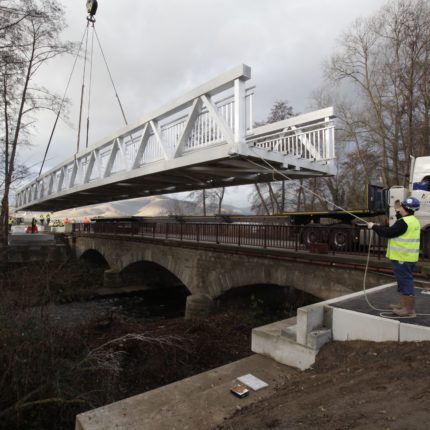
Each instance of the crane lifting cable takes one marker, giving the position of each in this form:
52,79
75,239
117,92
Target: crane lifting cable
82,89
62,103
91,6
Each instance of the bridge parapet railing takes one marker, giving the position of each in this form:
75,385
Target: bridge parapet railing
309,136
352,240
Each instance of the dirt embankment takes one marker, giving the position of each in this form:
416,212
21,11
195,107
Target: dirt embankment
353,385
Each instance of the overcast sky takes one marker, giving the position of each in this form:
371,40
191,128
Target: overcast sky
158,50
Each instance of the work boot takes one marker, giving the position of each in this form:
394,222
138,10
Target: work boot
400,305
408,310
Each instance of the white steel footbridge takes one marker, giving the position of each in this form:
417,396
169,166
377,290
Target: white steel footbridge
204,139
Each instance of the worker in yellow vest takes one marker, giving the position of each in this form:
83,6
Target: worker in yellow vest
404,251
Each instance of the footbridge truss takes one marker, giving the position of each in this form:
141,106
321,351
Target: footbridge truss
204,139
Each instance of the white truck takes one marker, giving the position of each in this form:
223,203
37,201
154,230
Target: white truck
419,187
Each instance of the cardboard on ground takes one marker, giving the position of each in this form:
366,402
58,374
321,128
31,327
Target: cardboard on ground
252,382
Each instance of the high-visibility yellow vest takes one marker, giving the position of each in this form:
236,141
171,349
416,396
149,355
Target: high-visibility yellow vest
407,246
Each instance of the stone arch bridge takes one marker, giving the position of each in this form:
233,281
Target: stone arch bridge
208,271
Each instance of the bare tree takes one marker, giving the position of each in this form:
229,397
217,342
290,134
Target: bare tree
211,199
199,196
271,198
30,30
384,62
265,199
216,198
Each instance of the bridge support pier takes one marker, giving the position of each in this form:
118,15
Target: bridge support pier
112,279
199,306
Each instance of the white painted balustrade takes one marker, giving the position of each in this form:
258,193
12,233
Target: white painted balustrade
204,139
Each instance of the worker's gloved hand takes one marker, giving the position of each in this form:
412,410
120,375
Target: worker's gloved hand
370,225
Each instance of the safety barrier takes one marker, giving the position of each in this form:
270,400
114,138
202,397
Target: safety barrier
300,238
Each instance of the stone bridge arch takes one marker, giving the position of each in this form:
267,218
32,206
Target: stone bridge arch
208,273
93,256
122,254
151,274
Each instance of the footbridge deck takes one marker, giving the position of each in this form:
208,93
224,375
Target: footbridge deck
204,139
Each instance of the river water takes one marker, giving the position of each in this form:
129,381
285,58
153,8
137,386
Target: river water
148,306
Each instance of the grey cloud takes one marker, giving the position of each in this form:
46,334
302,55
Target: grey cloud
158,50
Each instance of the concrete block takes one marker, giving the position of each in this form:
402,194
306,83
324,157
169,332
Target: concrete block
318,338
413,333
278,327
309,318
269,341
290,332
288,328
350,325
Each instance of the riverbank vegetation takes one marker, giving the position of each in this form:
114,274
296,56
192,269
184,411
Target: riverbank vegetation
53,367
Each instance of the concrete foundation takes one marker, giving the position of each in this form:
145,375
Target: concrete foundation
297,342
199,402
40,247
279,343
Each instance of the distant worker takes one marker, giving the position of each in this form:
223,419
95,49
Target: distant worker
403,250
10,223
42,219
66,221
33,225
86,223
48,219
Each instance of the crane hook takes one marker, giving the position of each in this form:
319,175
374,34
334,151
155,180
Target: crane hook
91,9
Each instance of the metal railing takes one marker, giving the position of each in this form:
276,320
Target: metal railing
212,114
187,140
338,240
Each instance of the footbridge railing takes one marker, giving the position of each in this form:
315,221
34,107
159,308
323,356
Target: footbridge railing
203,139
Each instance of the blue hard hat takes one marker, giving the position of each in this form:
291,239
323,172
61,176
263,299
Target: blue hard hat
411,203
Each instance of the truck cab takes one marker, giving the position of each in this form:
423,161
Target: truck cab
419,187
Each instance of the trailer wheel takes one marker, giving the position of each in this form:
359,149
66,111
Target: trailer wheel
311,235
340,239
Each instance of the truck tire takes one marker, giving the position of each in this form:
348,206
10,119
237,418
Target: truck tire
311,235
340,239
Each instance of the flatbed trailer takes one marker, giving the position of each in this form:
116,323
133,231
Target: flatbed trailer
337,229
